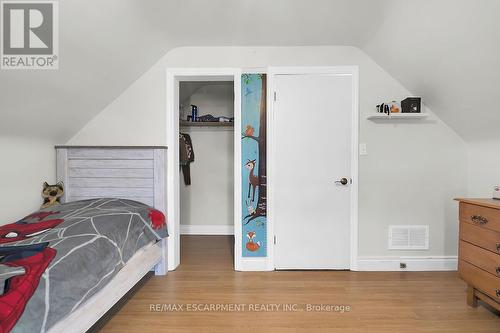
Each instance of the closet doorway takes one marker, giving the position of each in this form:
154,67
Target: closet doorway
203,109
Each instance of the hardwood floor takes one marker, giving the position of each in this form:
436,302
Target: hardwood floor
379,302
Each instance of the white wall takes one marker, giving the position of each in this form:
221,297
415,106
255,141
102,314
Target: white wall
447,55
209,200
25,165
410,175
484,168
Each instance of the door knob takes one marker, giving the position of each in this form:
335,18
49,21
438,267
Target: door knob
342,181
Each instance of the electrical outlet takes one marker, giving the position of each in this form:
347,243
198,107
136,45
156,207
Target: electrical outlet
402,265
362,149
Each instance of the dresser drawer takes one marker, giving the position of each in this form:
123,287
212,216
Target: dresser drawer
481,280
479,236
484,217
479,257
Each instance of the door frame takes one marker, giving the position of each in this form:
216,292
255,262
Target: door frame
271,131
173,77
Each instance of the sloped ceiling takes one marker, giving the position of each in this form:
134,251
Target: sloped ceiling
447,51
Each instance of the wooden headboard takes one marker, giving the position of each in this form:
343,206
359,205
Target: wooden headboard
135,173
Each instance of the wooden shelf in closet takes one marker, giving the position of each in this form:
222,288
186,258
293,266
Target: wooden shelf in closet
184,123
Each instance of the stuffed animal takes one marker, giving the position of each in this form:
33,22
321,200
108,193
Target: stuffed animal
52,194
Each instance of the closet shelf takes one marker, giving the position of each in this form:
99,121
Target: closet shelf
397,116
185,123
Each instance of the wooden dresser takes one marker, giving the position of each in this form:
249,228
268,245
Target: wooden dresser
479,250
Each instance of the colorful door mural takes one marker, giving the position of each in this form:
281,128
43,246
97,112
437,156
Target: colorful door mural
253,165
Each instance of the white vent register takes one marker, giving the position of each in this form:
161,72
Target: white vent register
408,237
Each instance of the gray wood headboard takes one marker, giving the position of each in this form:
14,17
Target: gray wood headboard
136,173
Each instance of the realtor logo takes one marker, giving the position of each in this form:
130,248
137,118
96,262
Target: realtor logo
29,36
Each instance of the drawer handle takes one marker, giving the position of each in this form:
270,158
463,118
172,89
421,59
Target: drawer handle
498,292
498,247
479,219
498,270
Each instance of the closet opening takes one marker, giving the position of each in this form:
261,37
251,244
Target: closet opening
206,168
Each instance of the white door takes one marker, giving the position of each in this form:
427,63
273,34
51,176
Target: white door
312,153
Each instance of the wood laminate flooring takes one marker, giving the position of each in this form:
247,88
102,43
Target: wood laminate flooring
378,301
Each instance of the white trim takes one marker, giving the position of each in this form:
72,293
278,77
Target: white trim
355,169
270,149
173,76
207,229
238,232
350,70
254,70
172,170
257,264
413,264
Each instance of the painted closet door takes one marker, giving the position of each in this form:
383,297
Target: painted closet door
312,117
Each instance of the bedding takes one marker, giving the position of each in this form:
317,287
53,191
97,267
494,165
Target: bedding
55,259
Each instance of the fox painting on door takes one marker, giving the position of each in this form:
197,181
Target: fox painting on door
253,165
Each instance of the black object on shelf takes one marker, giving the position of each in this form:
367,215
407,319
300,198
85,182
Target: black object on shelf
411,105
383,108
194,113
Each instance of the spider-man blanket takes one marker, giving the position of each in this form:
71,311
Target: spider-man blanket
55,259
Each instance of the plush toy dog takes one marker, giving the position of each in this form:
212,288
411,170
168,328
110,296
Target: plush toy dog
52,194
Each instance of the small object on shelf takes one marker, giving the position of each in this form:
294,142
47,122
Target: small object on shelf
391,107
383,108
194,113
207,118
496,192
411,105
223,119
394,107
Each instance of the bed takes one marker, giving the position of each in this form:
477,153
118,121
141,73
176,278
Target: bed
112,210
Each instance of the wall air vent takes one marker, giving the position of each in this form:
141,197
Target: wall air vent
408,237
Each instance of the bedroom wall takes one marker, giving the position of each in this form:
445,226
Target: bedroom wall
410,175
208,201
484,168
26,164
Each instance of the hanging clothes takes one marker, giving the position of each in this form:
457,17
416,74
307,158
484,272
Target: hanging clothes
186,156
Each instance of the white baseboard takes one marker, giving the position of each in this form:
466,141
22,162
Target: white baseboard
254,265
413,264
207,230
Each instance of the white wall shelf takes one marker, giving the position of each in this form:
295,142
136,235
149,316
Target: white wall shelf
391,116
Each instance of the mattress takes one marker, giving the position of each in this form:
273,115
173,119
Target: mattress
96,306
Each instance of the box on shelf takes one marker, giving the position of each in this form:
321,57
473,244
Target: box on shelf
411,105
